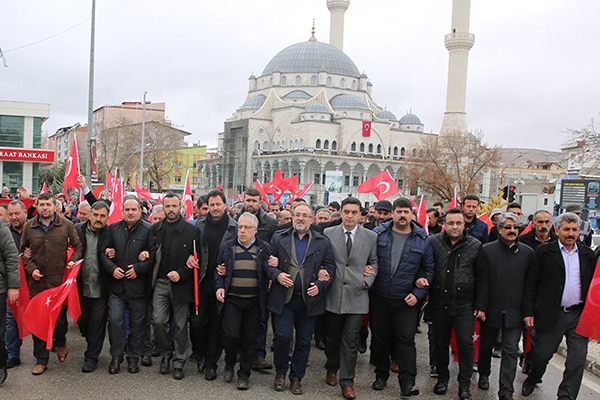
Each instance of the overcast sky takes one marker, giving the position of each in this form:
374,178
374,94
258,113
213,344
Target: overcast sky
534,69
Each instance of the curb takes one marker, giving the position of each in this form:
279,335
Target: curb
591,364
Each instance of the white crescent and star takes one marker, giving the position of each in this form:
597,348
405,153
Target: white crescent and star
387,187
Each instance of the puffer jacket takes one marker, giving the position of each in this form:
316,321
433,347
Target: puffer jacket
9,261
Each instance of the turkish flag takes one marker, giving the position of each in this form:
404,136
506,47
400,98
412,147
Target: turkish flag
589,321
42,312
19,307
72,169
290,184
44,188
527,229
300,193
366,128
476,340
188,198
275,186
142,193
422,215
116,206
261,189
485,217
381,185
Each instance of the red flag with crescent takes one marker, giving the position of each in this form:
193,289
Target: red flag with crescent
44,188
72,169
188,198
381,185
18,308
485,217
366,128
116,206
422,215
300,193
589,321
261,189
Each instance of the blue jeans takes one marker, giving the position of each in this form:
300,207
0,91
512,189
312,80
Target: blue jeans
293,316
116,326
11,336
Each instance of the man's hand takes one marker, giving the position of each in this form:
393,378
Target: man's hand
81,181
174,276
118,273
421,283
221,269
27,252
70,265
313,290
273,261
192,263
220,293
411,300
480,315
323,275
529,322
144,255
285,280
109,252
13,295
36,275
130,273
368,271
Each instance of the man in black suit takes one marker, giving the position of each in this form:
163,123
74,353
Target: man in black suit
555,291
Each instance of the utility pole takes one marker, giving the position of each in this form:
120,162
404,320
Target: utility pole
143,139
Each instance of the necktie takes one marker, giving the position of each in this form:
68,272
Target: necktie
348,242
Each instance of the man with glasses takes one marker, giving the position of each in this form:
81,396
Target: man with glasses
297,297
507,262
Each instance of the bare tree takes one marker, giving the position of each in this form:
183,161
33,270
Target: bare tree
583,147
451,161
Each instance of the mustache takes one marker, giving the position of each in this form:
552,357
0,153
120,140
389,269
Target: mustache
543,229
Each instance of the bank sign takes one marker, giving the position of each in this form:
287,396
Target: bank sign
27,155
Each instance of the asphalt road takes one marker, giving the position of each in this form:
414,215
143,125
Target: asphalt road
66,381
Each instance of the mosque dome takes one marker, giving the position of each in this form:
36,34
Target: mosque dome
297,94
385,114
316,108
410,118
254,102
312,57
348,101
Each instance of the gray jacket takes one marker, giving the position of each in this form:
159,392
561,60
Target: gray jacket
9,261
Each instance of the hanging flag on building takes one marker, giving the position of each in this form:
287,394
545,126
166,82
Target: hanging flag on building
366,128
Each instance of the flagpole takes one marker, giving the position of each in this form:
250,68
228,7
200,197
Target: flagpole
90,122
143,139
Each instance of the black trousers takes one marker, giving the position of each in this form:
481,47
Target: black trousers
206,331
241,320
3,352
510,354
92,325
59,338
394,318
462,321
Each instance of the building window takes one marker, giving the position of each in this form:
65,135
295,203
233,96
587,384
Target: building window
298,80
402,152
318,144
334,145
370,148
178,164
378,149
283,81
355,181
313,80
329,82
354,84
353,146
326,145
362,147
177,178
347,180
317,179
395,150
343,83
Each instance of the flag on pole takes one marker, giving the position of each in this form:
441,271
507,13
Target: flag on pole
300,193
454,201
44,188
18,308
422,215
589,321
42,312
72,169
366,128
485,217
261,189
116,206
381,185
142,193
188,198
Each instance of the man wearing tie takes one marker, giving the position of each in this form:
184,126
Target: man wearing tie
355,253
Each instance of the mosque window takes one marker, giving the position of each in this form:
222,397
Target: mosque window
343,83
354,84
262,83
353,146
329,82
395,150
298,80
362,147
414,152
326,145
402,152
283,80
318,144
370,148
266,146
378,149
355,181
313,80
334,145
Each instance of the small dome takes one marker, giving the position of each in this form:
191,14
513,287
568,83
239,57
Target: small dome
385,114
251,77
316,108
254,102
410,118
348,101
297,94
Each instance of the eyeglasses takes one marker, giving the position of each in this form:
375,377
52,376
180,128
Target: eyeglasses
509,227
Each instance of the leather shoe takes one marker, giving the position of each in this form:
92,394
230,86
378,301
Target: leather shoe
440,388
178,373
464,394
165,365
331,378
89,366
296,386
3,375
210,374
228,373
362,346
146,360
484,382
279,383
133,367
409,390
348,393
321,344
379,384
506,397
115,366
13,362
38,369
242,383
528,388
260,364
62,352
201,365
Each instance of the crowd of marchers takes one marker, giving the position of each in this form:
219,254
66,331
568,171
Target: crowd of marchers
165,287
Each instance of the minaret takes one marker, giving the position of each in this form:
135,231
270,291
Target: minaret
458,42
336,24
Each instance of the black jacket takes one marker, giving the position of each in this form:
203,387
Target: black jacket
102,277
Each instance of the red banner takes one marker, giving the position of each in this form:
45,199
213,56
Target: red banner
30,155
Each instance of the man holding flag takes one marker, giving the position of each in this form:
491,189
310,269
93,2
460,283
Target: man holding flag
10,282
49,236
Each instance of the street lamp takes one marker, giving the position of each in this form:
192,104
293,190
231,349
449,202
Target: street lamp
137,151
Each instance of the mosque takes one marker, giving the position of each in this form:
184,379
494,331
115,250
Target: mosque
305,114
